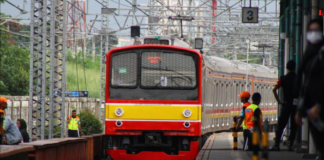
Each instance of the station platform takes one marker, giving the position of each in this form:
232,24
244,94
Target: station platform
219,146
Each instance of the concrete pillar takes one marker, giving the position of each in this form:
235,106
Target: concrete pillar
97,109
20,106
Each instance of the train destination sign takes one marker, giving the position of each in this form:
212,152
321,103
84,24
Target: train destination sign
122,70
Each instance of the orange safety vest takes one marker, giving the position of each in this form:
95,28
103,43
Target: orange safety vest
249,116
244,120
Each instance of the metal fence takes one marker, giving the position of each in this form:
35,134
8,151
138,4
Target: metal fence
18,107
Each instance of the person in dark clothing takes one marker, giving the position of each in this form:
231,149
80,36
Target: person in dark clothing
310,80
21,124
251,113
288,109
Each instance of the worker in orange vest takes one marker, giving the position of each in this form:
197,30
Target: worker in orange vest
74,125
3,105
251,112
245,96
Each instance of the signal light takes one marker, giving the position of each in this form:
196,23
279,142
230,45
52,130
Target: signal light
199,42
135,31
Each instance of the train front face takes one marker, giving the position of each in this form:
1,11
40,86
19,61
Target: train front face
153,102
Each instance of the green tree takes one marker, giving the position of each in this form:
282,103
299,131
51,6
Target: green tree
14,65
89,123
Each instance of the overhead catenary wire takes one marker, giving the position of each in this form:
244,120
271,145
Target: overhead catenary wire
14,33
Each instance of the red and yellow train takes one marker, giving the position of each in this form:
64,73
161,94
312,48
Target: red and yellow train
163,98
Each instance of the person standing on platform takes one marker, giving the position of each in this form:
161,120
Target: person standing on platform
310,80
288,109
74,125
250,113
245,96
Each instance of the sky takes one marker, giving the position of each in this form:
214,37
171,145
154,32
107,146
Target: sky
94,8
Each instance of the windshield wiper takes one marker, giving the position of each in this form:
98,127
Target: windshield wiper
158,69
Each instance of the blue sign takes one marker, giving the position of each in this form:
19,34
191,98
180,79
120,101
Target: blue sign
74,93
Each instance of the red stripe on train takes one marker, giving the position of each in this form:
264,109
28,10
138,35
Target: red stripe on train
146,155
169,128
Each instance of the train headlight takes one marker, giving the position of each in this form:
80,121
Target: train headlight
119,123
119,112
187,113
186,124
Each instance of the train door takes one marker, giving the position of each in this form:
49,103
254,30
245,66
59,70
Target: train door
217,103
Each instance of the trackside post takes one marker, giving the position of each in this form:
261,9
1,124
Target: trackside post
265,140
234,134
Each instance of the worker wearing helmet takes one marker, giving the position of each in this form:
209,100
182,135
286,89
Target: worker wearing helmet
252,112
245,96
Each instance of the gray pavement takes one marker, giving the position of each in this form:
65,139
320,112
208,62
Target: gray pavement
219,147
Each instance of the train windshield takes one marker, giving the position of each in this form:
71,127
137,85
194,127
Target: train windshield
124,70
152,74
168,70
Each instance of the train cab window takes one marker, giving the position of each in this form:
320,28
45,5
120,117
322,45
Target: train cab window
124,70
155,41
165,42
154,75
168,70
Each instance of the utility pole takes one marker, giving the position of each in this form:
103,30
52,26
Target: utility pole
104,38
47,69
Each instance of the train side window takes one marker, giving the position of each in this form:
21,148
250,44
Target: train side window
217,95
214,95
228,95
237,91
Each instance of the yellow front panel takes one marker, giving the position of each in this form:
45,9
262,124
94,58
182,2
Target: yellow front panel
153,112
199,112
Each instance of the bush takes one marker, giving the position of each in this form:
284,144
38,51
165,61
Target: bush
89,123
